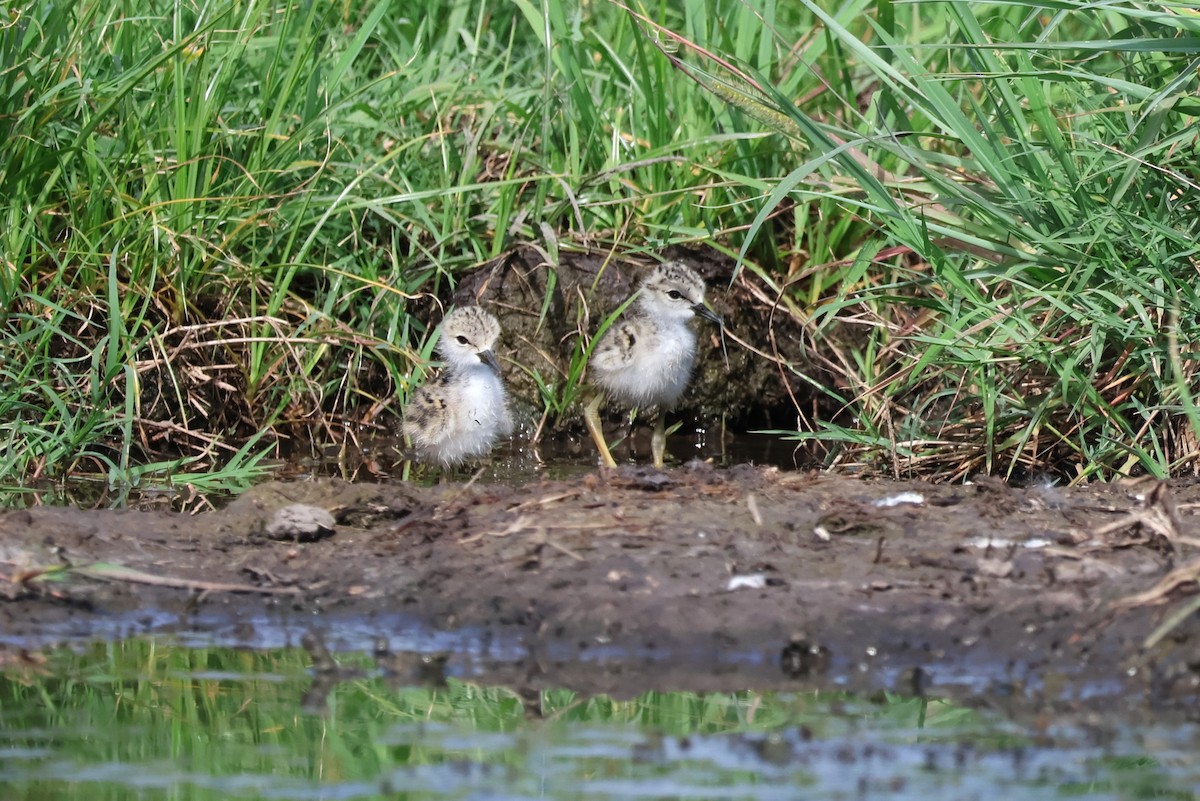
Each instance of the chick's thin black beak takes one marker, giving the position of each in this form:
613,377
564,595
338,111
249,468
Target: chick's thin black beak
708,314
489,358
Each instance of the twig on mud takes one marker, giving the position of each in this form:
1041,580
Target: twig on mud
21,584
522,523
559,547
1185,574
1182,613
451,504
752,505
1159,515
562,496
110,572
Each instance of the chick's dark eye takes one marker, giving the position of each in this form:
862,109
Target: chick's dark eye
462,340
674,294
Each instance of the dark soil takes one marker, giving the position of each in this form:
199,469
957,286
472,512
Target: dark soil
625,581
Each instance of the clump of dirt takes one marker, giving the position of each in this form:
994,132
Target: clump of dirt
690,578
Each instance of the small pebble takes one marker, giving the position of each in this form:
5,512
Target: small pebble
301,523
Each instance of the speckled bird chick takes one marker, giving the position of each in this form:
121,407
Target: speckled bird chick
460,413
646,358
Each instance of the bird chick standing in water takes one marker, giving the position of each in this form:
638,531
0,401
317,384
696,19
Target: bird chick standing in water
459,414
646,359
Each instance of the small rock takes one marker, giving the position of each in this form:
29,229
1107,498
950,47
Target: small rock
1086,570
756,581
645,478
301,523
914,498
996,568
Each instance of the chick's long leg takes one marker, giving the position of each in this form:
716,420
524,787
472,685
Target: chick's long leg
591,418
658,441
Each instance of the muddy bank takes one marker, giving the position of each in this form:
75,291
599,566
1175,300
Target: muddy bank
684,579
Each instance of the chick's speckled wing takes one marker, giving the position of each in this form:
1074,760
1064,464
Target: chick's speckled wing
618,348
428,413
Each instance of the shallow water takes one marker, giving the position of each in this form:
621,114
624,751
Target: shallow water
561,457
154,719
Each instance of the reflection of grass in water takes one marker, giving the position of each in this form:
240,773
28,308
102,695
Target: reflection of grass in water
170,717
140,703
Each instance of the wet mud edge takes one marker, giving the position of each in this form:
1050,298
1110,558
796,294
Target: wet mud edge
637,579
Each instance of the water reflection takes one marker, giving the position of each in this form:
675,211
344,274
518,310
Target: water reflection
147,720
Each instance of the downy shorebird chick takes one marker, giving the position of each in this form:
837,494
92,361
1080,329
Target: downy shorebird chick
458,414
646,358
